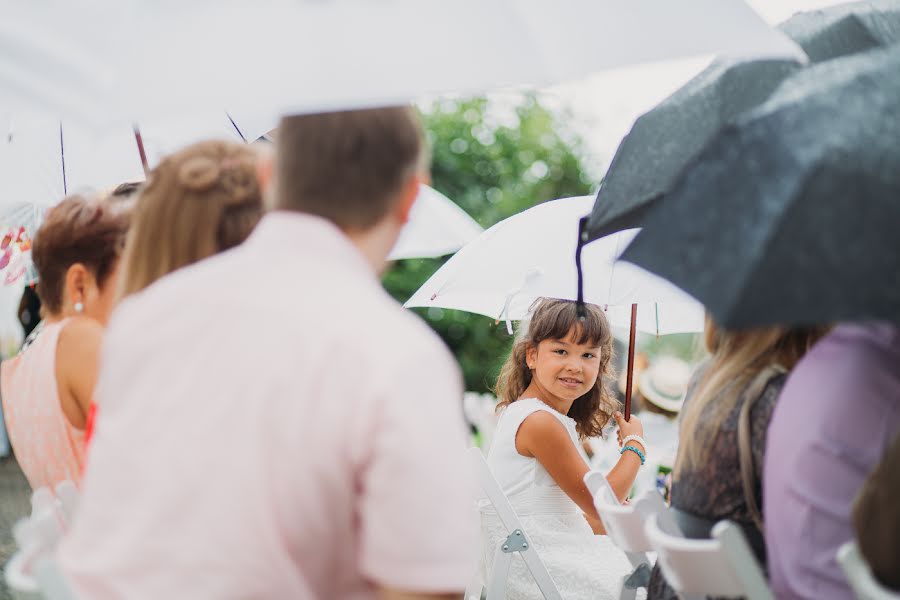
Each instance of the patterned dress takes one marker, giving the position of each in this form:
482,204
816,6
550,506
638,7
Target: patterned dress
714,491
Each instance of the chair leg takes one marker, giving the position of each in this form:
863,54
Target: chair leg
627,593
499,574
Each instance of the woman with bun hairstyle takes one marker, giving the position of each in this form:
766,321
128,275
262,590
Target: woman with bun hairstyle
197,202
48,388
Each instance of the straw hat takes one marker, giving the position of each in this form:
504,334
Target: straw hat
665,382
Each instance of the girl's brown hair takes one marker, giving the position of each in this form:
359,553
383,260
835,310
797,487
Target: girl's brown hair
554,320
77,230
197,202
737,358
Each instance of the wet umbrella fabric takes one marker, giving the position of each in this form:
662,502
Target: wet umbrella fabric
663,141
790,215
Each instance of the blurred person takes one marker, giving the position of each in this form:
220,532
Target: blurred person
718,475
319,457
197,202
662,386
876,518
29,312
553,392
48,388
838,413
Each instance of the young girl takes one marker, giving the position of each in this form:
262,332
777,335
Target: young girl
552,395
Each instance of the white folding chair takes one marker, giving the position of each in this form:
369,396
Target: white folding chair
516,542
858,573
32,573
721,566
624,525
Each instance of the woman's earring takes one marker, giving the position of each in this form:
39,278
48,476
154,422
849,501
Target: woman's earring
79,307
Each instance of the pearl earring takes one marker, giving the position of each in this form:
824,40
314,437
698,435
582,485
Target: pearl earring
79,307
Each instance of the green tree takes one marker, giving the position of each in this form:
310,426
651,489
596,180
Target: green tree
494,161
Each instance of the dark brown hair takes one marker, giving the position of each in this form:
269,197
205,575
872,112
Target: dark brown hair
197,202
876,518
347,167
554,320
77,230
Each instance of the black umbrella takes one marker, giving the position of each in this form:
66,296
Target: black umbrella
791,215
663,141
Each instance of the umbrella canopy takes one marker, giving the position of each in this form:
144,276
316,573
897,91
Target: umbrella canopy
529,255
43,159
285,56
663,141
436,226
790,215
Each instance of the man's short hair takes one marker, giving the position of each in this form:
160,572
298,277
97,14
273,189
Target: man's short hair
348,167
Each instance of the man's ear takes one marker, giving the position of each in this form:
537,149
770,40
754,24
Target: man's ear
408,196
265,169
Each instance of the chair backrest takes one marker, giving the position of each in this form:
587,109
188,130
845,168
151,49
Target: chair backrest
32,573
511,522
721,566
68,496
860,576
493,491
624,523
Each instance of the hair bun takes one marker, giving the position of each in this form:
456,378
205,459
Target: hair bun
198,174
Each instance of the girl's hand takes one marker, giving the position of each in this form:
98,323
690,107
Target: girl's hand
626,428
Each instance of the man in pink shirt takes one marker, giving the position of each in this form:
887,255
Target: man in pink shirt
319,456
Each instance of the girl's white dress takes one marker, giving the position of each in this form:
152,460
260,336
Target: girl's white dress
582,565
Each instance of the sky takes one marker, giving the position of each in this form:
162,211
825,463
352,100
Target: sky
602,108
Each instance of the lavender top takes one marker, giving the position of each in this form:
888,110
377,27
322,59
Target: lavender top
839,410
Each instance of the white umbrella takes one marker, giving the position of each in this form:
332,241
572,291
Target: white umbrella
436,226
43,159
170,58
532,254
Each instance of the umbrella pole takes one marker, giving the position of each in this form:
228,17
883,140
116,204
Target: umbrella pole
140,145
630,362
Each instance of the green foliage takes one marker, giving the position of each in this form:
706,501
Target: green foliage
494,161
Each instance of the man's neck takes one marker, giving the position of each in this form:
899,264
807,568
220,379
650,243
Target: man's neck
375,244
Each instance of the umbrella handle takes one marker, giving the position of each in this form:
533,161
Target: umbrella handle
582,240
631,339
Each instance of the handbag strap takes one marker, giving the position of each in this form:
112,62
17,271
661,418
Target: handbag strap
745,453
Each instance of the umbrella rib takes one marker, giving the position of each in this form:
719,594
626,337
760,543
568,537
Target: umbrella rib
612,271
236,128
62,158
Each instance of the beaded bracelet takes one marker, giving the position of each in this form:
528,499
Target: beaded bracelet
637,439
635,450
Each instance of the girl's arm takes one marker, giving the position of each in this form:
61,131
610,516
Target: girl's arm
543,437
621,477
77,364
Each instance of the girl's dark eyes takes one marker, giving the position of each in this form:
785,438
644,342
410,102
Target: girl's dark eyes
560,351
588,355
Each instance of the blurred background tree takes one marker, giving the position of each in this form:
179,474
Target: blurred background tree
494,159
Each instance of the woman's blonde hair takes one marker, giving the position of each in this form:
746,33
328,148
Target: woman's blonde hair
197,202
555,320
737,358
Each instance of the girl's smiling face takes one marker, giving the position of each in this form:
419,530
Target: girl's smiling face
564,368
